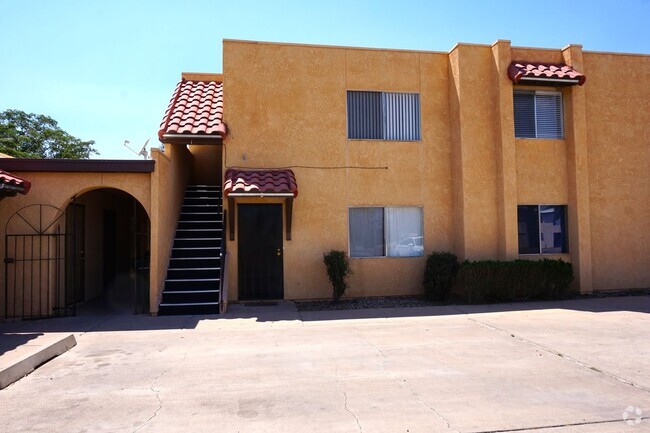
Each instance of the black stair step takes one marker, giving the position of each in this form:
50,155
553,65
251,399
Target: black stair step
188,309
196,242
201,216
191,284
200,224
193,273
190,296
199,197
200,186
193,262
201,208
195,252
198,233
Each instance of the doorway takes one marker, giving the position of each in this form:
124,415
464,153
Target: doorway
108,257
260,251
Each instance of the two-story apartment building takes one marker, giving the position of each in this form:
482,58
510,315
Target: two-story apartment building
487,151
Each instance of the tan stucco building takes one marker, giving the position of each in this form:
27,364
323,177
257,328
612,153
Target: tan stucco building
487,151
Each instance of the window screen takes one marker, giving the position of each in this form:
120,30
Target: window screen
383,115
538,114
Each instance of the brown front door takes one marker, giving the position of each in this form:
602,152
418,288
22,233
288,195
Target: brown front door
260,251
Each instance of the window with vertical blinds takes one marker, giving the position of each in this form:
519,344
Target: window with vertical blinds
383,116
538,114
386,231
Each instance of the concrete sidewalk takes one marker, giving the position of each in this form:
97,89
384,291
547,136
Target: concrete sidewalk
573,366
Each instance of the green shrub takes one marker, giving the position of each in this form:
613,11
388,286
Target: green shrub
439,275
338,268
501,281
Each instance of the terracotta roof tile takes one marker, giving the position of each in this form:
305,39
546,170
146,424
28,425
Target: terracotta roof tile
260,181
16,183
526,71
196,108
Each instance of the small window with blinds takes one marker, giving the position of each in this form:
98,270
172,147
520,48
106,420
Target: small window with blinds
538,114
383,116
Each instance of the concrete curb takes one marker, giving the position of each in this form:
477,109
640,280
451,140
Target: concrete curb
30,361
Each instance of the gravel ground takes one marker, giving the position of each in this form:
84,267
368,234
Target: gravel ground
421,301
360,303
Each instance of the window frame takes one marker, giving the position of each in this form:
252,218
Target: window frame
535,93
385,245
384,116
564,225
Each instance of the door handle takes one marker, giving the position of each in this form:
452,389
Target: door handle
278,252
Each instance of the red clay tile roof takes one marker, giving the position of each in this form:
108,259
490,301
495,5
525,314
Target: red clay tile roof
15,183
526,71
196,108
260,181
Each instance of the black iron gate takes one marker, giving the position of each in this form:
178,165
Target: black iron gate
35,264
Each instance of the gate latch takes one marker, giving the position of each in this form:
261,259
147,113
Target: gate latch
8,260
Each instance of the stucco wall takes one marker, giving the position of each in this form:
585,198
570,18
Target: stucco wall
287,106
168,181
206,164
57,189
618,118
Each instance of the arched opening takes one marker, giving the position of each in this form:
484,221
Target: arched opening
107,265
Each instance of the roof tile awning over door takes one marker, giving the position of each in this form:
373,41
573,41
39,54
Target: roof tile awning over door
279,183
10,184
544,74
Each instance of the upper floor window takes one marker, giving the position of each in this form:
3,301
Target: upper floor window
542,229
538,114
383,116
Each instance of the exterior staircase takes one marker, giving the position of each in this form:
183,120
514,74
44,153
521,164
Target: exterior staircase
194,274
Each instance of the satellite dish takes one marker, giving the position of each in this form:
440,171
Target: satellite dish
143,150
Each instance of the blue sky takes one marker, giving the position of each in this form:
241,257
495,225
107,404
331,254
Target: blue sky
105,70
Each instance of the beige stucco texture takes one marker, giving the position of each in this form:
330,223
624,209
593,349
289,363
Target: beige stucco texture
618,120
286,107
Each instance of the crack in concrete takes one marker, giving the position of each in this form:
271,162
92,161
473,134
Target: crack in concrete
345,406
561,355
402,384
156,392
545,427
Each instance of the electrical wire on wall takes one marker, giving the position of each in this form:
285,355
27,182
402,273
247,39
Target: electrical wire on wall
312,167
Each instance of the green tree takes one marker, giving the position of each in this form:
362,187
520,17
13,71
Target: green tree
31,135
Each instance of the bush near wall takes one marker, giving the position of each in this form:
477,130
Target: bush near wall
497,281
440,274
518,280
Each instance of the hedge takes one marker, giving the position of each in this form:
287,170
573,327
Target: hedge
498,281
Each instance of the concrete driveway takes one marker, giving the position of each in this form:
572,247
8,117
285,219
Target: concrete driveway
573,366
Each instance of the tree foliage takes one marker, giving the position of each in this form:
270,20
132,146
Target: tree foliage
31,135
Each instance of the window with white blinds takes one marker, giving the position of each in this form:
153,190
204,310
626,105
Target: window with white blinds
386,231
538,114
383,116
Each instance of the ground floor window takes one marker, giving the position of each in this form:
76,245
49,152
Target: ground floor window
542,229
386,232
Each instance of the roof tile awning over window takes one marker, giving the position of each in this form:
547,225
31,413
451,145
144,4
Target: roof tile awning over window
195,111
544,74
260,183
10,185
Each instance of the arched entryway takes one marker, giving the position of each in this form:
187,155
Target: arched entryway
108,262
